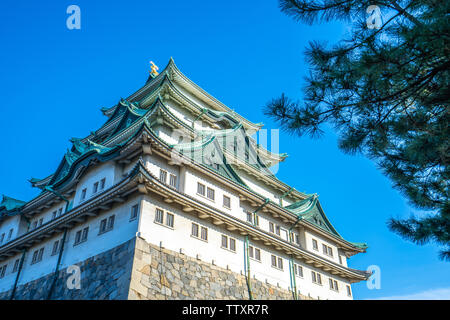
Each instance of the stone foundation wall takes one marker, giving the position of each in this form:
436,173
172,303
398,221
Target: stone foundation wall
104,276
160,274
141,271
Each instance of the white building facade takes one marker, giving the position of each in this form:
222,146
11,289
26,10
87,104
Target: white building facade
180,171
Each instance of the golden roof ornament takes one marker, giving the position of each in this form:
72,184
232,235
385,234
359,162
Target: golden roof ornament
154,69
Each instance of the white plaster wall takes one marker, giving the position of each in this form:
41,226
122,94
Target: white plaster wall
104,170
123,230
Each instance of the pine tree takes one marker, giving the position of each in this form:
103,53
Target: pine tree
385,91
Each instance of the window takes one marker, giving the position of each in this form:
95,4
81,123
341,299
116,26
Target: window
194,231
211,194
173,181
298,270
40,222
315,245
200,189
295,238
16,265
277,230
163,175
327,250
330,251
333,285
340,259
277,262
83,194
169,220
254,219
226,202
228,243
82,235
55,247
95,187
254,253
349,291
111,222
134,211
316,277
54,214
10,233
204,234
102,183
2,238
37,256
159,216
60,211
271,227
107,224
35,224
3,271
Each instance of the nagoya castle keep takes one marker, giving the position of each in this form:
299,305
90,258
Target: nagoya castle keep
171,198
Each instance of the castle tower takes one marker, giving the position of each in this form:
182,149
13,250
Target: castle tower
172,198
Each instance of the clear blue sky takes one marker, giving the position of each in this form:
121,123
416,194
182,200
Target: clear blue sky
53,82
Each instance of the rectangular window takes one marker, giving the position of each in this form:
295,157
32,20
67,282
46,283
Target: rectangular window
134,211
277,262
83,194
257,254
173,181
95,187
102,183
204,234
271,227
194,231
224,242
3,271
340,259
60,211
16,265
35,255
41,220
324,249
35,224
298,270
54,215
201,189
232,244
2,238
163,176
111,222
102,226
349,291
10,233
316,277
84,235
169,220
274,261
55,247
226,202
277,230
77,238
159,216
315,245
330,251
40,255
211,194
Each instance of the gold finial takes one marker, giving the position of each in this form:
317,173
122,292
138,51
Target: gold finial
154,69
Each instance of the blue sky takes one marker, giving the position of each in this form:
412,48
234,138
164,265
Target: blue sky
54,81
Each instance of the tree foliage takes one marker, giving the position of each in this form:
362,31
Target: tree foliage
386,92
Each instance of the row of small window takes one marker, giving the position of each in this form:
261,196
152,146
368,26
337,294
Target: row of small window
98,186
210,193
106,225
172,178
276,229
325,249
2,237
